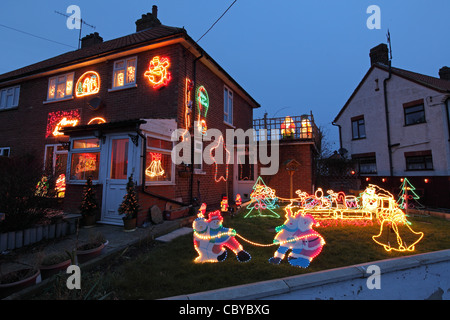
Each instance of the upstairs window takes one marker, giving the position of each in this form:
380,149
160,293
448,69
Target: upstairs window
414,112
228,106
124,73
358,128
9,97
5,151
60,87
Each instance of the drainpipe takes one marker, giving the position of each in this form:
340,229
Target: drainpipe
340,133
194,80
386,109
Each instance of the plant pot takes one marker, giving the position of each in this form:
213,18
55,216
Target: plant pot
129,225
88,221
25,278
50,270
84,255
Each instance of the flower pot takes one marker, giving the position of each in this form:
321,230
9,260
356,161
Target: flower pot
18,280
84,255
50,270
129,225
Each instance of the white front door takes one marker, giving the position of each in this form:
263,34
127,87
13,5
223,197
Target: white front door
244,177
119,162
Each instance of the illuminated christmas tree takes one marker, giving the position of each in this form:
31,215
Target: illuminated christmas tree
264,200
129,206
89,205
407,198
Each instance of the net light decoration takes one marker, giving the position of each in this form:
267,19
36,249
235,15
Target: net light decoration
158,72
60,119
220,143
155,168
202,108
263,200
287,128
298,236
87,84
211,239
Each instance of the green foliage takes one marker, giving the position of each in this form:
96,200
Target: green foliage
89,205
129,206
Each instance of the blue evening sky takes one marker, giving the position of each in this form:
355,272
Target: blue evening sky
292,56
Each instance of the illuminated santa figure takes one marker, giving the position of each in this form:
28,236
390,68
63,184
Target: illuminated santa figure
287,128
224,204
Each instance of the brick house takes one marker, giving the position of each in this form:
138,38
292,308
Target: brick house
396,124
108,110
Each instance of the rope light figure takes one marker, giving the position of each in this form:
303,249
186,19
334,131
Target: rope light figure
155,168
264,201
287,128
227,160
158,73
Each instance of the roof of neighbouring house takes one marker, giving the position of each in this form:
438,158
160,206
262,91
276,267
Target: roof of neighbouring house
440,85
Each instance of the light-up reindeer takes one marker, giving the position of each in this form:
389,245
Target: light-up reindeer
297,235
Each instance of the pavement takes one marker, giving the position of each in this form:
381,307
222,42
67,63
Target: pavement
117,240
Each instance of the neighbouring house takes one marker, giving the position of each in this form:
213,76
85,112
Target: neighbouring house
396,124
108,110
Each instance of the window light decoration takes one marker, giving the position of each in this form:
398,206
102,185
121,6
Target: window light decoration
227,160
297,234
87,84
158,72
287,128
263,199
202,108
155,168
211,239
60,119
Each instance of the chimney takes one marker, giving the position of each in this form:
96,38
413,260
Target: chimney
379,54
444,73
90,40
148,20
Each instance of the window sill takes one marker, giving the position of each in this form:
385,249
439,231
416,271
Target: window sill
198,171
16,108
82,182
356,139
58,100
229,125
122,88
159,184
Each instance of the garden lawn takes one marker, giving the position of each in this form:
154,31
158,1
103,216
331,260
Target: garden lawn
169,268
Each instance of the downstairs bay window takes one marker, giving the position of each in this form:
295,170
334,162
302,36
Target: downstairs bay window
159,166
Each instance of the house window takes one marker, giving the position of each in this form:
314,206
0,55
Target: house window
366,163
55,160
5,152
414,112
198,155
85,159
124,73
159,166
358,128
60,87
228,106
9,97
416,161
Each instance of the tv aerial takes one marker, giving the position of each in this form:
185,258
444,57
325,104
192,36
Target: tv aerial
82,22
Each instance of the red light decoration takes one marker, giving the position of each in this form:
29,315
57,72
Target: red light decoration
228,158
87,84
97,120
155,168
158,73
60,119
224,204
60,185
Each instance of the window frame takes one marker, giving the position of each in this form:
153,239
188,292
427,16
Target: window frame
410,105
359,125
425,156
66,96
55,152
2,151
73,151
228,111
15,97
198,167
126,84
161,151
368,157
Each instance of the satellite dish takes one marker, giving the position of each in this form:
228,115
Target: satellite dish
342,151
95,103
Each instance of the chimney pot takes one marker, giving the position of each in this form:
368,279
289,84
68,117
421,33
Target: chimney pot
148,20
379,54
91,39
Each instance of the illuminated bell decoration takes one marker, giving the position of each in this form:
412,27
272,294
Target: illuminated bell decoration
211,239
158,72
202,108
87,84
60,119
155,168
287,127
297,235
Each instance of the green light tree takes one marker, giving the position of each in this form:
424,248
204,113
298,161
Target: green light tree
407,198
264,201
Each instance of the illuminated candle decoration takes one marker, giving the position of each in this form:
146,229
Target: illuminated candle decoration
158,73
211,238
264,200
297,235
202,108
60,185
60,119
87,84
97,120
287,128
408,198
227,160
155,168
224,204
